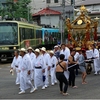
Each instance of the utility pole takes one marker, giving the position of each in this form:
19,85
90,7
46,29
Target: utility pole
73,4
63,21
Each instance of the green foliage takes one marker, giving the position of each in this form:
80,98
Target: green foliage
16,10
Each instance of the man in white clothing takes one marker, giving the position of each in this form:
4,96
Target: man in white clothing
39,69
25,69
65,50
32,56
15,65
53,67
47,65
96,59
56,52
30,52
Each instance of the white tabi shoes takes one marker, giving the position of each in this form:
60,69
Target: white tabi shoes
55,82
22,92
46,86
33,89
52,84
95,73
43,87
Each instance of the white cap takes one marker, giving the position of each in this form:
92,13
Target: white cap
59,45
56,46
51,52
23,50
30,48
37,50
43,49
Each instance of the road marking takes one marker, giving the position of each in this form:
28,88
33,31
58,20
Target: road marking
0,68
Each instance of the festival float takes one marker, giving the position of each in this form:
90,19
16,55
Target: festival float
82,32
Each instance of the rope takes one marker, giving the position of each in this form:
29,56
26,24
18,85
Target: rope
78,63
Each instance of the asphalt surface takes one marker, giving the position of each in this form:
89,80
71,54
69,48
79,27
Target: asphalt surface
8,89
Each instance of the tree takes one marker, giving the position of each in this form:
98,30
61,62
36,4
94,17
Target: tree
19,9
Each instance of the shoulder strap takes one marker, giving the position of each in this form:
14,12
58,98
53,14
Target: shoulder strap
60,65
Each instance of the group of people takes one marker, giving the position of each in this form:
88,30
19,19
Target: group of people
34,66
59,63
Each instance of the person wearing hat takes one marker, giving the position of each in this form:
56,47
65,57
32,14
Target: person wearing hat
15,65
30,52
25,68
47,65
53,67
31,55
56,52
39,69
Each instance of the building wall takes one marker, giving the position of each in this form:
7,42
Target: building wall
50,20
37,5
93,8
94,12
68,10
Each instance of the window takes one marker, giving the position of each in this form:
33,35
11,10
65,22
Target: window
8,33
38,34
26,33
48,1
55,1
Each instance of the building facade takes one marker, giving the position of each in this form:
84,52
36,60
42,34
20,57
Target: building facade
47,17
93,7
37,5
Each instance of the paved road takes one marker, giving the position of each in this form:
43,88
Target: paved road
8,89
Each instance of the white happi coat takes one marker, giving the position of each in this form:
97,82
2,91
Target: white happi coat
46,59
76,56
38,74
53,67
32,56
16,62
25,66
96,60
66,52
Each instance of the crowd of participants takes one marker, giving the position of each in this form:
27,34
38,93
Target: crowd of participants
61,63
